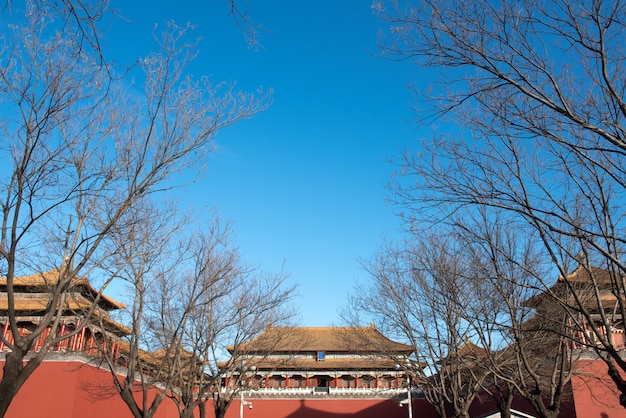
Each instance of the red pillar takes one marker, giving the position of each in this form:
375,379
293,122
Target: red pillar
63,343
42,338
4,333
81,341
74,338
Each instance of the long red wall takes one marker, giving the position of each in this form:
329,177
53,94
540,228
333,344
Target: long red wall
73,390
76,390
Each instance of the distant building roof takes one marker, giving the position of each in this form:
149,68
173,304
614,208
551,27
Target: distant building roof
586,274
323,349
329,364
592,285
468,352
358,340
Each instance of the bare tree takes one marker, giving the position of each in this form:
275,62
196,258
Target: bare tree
466,299
529,345
250,29
194,301
538,92
81,150
227,303
189,305
143,369
417,293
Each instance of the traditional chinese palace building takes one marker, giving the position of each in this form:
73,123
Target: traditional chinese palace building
596,290
31,299
72,381
326,359
295,372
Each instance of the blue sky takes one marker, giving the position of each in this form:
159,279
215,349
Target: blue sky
303,181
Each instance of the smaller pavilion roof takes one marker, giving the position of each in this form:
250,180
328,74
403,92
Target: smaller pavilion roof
468,351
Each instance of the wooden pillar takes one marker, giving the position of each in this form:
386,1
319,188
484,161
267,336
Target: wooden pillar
74,337
308,380
40,341
116,351
63,343
81,340
91,344
4,334
37,344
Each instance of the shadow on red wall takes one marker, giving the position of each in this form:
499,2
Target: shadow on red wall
331,408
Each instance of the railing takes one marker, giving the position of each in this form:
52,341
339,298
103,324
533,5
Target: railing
323,391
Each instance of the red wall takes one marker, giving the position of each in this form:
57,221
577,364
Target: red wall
73,390
595,395
329,408
76,390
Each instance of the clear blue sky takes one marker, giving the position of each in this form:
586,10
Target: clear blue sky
303,181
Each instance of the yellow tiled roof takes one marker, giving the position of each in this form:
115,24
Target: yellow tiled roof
39,304
76,303
581,281
327,339
469,351
583,275
51,278
334,364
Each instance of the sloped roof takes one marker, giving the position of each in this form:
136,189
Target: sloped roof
23,305
328,339
334,364
469,350
584,274
588,281
41,281
30,304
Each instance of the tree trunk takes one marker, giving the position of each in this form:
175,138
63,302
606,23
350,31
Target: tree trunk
504,406
15,373
188,413
461,413
544,412
220,412
440,409
127,395
220,406
615,375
